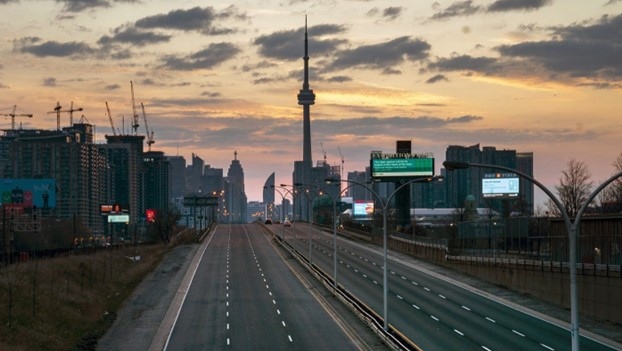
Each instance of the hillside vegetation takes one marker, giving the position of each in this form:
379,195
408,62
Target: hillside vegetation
67,303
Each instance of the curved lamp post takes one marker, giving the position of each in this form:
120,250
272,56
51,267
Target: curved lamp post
319,191
282,209
329,181
385,207
571,227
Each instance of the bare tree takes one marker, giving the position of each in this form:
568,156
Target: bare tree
164,224
616,185
573,189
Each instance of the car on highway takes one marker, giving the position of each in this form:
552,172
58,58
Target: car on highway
287,223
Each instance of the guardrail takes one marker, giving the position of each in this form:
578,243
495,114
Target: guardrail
391,337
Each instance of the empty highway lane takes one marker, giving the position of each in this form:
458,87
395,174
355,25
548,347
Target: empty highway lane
245,297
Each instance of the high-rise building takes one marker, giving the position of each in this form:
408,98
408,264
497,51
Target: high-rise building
78,167
178,174
156,180
194,172
268,197
464,182
125,157
357,192
234,192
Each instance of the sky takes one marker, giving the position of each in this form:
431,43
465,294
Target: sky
541,76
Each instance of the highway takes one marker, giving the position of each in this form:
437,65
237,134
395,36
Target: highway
245,297
433,311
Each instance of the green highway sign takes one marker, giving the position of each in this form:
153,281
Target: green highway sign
401,167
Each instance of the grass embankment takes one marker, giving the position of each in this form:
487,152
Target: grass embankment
67,303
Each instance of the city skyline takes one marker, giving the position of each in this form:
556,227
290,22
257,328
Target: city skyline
536,76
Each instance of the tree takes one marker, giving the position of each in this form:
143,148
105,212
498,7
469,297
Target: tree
164,224
610,198
574,188
616,185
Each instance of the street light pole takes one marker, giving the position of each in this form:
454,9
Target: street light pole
385,206
571,227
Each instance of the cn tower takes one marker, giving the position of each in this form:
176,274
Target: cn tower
306,98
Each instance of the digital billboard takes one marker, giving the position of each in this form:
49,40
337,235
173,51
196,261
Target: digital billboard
363,208
401,166
28,193
500,185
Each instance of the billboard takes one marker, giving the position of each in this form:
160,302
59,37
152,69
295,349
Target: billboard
500,185
401,166
29,193
123,218
113,209
363,208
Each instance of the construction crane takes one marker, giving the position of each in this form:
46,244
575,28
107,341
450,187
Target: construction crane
58,109
114,132
342,161
323,152
13,115
150,139
135,124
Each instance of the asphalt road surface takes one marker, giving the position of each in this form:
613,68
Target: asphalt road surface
245,297
434,311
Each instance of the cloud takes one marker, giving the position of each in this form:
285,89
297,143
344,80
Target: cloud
367,126
134,37
588,51
466,63
521,5
112,87
391,13
198,19
437,78
213,55
382,56
82,5
32,45
339,79
460,8
288,45
468,8
49,82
